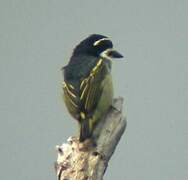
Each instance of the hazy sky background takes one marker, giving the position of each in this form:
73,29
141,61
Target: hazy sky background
36,40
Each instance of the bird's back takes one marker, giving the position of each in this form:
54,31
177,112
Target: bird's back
82,84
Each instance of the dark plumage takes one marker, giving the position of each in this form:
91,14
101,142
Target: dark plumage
87,86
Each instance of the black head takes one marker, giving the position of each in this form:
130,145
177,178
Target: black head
96,45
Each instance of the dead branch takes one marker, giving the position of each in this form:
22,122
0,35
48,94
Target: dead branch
82,161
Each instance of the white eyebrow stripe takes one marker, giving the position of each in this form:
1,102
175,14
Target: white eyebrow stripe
98,41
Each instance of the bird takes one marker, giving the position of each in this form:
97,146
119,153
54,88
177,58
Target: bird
87,86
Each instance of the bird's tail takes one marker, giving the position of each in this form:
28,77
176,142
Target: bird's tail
85,129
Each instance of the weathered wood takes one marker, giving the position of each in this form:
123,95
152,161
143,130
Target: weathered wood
83,161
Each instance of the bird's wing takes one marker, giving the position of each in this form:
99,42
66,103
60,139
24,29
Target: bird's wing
84,96
71,98
90,88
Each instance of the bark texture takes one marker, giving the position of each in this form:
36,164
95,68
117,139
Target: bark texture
83,161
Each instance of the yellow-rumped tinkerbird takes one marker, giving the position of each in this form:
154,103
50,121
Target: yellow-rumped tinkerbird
87,86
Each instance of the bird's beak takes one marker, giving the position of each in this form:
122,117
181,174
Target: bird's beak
111,54
114,54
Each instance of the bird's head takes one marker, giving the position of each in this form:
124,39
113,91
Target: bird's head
98,46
